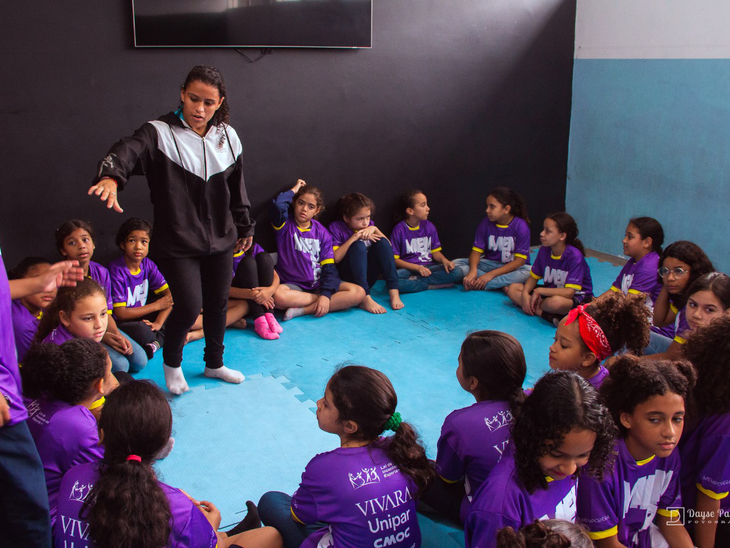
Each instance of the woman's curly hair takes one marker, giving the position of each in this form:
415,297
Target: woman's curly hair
632,381
560,402
708,349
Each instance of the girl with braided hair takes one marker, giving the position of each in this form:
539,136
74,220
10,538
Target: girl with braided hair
362,493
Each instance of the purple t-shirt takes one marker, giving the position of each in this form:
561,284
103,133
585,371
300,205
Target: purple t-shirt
681,327
303,253
503,501
132,289
101,276
628,499
503,243
10,386
362,495
471,444
59,335
705,462
415,245
65,435
597,380
570,270
341,232
237,257
25,326
190,528
641,277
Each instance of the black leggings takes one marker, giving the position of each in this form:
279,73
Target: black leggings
254,271
195,283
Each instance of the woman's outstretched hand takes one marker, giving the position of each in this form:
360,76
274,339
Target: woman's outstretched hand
106,190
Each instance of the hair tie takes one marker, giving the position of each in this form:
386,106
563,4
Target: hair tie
591,333
393,422
134,457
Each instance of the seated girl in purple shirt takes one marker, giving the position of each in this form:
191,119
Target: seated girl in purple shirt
561,432
492,369
75,241
705,447
641,493
27,311
562,266
120,502
680,265
60,386
306,262
362,252
419,257
77,312
362,493
591,333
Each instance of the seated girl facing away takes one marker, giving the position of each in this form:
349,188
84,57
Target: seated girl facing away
562,266
61,385
119,503
361,494
492,369
306,263
362,252
562,431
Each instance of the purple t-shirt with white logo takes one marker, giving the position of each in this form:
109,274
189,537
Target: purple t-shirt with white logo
25,326
503,501
341,232
132,289
628,499
362,495
302,253
59,335
471,444
238,257
503,243
415,245
65,435
10,386
101,276
190,528
705,462
570,270
640,277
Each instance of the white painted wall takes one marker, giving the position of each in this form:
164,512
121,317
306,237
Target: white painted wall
652,29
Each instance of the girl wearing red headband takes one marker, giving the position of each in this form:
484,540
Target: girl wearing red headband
591,333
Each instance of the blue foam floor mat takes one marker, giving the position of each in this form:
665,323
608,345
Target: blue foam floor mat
235,442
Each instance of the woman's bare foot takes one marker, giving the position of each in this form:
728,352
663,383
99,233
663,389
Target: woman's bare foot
371,306
395,302
239,324
194,335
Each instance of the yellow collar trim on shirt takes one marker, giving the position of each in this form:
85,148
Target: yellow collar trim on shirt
645,461
549,479
413,227
305,229
133,272
501,226
556,258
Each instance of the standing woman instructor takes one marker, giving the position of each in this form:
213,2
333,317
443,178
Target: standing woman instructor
193,163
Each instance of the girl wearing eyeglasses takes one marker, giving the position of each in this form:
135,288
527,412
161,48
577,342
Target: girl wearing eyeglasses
680,265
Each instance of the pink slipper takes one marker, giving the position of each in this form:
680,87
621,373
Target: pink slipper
261,326
273,324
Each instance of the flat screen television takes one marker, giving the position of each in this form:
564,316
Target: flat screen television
253,23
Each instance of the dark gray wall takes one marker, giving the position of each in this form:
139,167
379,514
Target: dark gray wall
454,98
